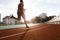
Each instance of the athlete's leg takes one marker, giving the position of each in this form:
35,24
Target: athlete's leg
25,20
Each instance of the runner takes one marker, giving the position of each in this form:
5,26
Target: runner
20,12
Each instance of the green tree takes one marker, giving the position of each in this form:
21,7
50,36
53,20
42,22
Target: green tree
47,18
39,19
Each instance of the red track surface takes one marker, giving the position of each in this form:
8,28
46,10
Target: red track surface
37,32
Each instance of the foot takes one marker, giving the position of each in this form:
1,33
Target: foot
27,26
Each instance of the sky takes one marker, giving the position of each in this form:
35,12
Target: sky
33,7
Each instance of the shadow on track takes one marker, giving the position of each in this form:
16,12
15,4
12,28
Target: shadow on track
23,35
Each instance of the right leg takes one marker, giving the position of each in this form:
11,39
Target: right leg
25,21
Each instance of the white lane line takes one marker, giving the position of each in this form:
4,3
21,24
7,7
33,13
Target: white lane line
20,33
11,35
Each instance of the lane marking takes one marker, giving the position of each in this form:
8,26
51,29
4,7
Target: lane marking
20,33
11,35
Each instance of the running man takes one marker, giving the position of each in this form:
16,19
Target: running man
20,12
